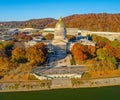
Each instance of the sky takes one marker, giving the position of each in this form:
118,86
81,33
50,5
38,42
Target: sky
20,10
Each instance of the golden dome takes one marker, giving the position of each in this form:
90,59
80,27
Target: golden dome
60,23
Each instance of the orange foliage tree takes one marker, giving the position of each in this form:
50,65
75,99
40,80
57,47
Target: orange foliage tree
91,50
79,52
23,37
49,36
71,37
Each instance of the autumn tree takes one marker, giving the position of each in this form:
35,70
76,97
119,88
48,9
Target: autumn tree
27,38
79,52
108,62
20,36
49,36
2,51
101,41
19,55
5,65
37,54
113,48
71,37
7,46
91,50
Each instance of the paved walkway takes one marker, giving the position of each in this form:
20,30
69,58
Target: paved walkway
98,82
61,83
58,83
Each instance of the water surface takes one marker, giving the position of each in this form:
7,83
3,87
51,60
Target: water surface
104,93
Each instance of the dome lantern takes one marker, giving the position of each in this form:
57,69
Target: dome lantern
60,23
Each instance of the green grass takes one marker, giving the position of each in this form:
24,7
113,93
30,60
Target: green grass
104,93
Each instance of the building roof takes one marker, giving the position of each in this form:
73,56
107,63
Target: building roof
64,70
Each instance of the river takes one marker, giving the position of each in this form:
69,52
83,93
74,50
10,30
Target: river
103,93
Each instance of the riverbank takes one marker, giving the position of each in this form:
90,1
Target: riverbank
99,82
58,83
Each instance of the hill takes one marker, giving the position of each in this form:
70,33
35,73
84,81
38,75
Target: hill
92,22
33,23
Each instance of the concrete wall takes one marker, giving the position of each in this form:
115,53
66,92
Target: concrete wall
56,84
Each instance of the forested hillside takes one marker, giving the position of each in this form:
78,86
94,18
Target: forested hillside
92,22
34,23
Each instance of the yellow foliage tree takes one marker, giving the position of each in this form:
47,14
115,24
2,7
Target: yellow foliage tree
5,65
19,55
37,54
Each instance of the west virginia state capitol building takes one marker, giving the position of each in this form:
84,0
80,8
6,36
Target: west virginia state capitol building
59,62
60,45
60,42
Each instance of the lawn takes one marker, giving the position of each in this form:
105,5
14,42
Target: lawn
104,93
